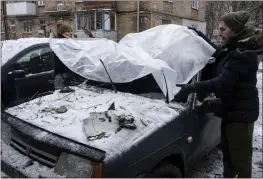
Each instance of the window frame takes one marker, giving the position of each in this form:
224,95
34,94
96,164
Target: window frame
30,51
98,17
28,26
195,4
41,3
2,27
104,21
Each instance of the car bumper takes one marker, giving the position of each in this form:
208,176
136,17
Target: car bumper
17,165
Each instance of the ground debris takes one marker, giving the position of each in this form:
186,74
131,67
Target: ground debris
143,123
66,90
61,109
96,137
112,106
108,116
127,122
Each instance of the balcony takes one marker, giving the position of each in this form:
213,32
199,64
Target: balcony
21,9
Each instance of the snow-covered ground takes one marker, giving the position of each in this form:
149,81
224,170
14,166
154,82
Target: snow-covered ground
211,165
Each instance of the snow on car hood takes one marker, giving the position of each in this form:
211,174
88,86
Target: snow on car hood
149,115
171,53
11,47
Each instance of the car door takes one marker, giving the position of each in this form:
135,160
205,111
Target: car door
206,127
28,75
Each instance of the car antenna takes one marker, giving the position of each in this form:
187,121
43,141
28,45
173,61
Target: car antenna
167,97
114,88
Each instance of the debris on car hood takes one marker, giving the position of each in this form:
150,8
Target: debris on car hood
101,124
136,116
61,109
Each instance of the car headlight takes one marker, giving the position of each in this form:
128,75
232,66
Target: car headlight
72,166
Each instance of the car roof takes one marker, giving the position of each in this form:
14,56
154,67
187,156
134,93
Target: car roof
10,48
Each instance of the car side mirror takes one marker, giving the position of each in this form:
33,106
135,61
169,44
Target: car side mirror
17,74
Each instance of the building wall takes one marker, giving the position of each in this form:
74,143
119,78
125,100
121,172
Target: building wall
152,13
126,23
201,26
126,6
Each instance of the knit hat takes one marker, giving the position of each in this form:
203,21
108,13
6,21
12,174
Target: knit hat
236,21
62,28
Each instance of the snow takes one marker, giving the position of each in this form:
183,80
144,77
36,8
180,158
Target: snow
11,47
154,113
211,165
260,66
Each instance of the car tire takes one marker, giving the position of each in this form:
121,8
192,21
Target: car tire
166,170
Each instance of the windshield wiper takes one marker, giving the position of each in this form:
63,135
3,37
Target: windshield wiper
114,88
167,97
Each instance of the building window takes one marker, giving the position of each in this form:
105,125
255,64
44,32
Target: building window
195,4
2,27
42,25
95,20
166,21
109,20
82,21
12,26
41,3
27,26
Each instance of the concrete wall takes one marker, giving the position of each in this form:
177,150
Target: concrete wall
158,17
126,23
99,34
199,25
126,6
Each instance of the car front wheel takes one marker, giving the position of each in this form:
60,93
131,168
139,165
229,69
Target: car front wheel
166,170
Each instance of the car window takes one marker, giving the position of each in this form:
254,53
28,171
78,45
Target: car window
36,61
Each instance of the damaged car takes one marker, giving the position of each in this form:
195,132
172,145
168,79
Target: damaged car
122,121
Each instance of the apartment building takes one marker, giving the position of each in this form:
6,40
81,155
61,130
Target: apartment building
2,21
154,13
105,19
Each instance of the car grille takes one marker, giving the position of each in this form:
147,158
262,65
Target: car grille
39,155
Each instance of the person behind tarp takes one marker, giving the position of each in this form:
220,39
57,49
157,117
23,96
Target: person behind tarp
63,75
234,83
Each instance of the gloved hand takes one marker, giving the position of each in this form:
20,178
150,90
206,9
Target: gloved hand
186,89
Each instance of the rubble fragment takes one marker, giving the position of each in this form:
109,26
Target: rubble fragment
97,137
61,109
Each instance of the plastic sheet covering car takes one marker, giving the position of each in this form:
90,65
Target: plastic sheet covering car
171,53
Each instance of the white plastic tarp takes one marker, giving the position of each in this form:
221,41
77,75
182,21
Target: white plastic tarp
172,51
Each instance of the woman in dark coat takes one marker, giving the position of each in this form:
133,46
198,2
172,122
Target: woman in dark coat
64,77
234,82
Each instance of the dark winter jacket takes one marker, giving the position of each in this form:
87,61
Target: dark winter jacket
235,79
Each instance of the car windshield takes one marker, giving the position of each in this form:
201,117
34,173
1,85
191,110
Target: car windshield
145,86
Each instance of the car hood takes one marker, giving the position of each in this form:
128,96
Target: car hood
68,115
